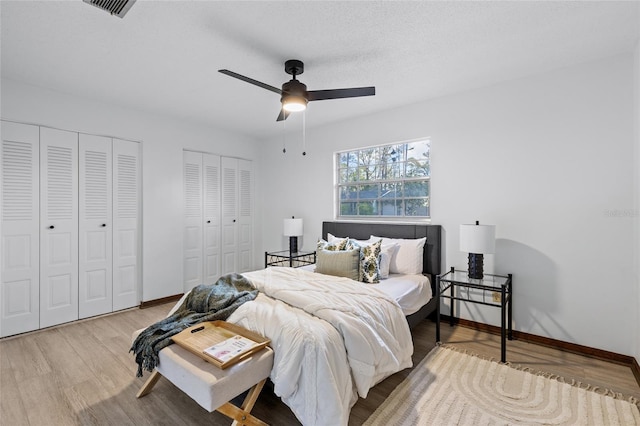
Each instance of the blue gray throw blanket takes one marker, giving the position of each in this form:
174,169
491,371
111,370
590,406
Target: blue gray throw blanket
206,302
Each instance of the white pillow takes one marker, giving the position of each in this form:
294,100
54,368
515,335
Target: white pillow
332,238
386,253
408,256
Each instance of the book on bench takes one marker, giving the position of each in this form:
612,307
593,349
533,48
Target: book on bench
220,343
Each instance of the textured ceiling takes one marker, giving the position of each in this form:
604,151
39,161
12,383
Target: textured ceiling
163,56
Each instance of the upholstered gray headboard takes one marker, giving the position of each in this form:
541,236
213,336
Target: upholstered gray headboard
432,261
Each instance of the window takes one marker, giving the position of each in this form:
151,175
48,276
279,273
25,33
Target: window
385,181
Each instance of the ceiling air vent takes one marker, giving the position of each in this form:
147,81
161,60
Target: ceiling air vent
115,7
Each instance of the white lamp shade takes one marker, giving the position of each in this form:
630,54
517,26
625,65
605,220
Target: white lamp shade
292,227
479,239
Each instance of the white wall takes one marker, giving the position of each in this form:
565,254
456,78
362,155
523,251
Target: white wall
163,140
548,159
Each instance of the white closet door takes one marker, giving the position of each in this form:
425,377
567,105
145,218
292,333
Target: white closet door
193,218
95,227
19,307
59,226
245,216
229,215
126,224
211,168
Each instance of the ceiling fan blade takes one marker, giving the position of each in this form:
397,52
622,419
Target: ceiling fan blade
251,81
354,92
283,115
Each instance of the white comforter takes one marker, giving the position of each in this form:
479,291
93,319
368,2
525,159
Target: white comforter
355,337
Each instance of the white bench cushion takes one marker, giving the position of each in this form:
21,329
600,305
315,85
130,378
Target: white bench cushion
207,384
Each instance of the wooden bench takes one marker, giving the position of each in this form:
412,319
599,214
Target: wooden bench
211,387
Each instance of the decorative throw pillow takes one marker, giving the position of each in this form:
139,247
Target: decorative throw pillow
336,245
333,245
386,253
333,239
408,257
340,263
370,262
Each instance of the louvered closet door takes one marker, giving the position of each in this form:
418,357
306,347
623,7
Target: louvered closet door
19,292
245,215
95,227
229,215
58,226
193,218
127,186
211,168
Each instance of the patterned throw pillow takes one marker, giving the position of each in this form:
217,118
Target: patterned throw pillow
369,260
351,244
335,245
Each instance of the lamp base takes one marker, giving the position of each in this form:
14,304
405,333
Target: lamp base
476,266
293,244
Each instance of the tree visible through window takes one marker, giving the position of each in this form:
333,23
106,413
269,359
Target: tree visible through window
385,181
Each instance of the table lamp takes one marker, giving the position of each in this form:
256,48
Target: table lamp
293,228
477,240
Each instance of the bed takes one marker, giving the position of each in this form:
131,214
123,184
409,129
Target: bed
334,338
432,260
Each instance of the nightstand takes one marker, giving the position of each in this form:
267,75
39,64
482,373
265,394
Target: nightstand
286,258
491,290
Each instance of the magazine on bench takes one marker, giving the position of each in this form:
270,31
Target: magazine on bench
220,343
227,349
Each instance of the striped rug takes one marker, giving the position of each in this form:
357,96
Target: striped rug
450,387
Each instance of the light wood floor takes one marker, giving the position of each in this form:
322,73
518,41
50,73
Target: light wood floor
83,374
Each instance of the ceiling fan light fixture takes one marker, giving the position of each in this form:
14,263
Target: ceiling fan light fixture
294,103
294,95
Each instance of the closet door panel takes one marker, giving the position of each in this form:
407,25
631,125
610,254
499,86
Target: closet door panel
59,227
19,287
211,168
193,220
229,215
95,226
218,224
126,223
245,215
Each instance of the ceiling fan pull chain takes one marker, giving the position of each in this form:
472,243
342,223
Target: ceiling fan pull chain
304,132
284,136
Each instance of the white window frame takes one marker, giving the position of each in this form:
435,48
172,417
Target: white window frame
349,181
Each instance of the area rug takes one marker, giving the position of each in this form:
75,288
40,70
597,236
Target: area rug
450,387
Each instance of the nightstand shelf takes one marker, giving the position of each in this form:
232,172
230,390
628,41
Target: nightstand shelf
491,290
286,258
